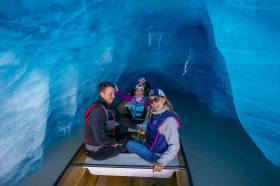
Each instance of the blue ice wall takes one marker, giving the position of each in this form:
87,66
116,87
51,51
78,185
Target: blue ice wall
54,53
247,34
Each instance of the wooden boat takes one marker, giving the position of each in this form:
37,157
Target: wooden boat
124,169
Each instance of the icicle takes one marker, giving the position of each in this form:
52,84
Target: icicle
186,69
159,40
149,37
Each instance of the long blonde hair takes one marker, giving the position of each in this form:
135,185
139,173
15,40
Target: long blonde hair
167,104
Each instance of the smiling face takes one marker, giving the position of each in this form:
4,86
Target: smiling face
138,92
141,81
157,103
108,94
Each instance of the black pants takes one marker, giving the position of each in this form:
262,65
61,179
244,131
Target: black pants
109,151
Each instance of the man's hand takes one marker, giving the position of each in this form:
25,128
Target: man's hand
140,131
157,167
115,145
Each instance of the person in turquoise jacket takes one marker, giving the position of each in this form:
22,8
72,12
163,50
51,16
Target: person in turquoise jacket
137,104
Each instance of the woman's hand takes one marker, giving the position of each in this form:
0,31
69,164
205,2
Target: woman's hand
157,167
128,106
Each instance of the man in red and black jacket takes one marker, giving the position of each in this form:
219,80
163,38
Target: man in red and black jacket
106,129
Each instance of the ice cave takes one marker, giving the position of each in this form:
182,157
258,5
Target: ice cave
218,61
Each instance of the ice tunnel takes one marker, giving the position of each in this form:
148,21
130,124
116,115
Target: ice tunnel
53,54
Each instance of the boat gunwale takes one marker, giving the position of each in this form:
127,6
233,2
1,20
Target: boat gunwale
74,164
81,165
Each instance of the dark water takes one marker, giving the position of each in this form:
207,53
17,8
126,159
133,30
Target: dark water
218,150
